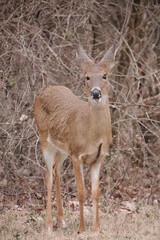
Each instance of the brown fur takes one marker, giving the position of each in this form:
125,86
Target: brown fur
81,129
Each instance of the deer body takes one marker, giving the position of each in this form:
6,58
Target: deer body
65,119
70,126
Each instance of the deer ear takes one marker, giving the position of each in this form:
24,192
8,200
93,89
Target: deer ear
108,61
83,59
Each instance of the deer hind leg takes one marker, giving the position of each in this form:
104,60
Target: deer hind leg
78,172
95,172
59,158
49,156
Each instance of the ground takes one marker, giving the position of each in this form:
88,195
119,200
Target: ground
124,223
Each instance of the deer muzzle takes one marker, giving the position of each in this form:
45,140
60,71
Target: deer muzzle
96,93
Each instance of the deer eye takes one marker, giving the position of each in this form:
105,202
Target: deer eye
87,78
104,76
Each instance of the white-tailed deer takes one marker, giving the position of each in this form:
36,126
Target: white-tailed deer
70,126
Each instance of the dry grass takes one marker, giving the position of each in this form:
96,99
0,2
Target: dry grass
23,223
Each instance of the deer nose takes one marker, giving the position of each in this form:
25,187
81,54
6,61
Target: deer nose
96,93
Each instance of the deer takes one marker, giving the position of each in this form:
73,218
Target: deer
81,129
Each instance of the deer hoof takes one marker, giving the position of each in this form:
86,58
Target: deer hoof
49,230
96,228
62,224
81,230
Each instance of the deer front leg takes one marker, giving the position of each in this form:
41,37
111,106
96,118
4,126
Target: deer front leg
95,172
78,172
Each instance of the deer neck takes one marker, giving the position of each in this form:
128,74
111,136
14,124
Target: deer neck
99,119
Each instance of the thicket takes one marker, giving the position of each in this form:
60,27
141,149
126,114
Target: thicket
38,41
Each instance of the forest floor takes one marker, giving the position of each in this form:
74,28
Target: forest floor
123,223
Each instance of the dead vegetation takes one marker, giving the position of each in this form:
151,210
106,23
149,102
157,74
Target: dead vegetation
38,40
143,224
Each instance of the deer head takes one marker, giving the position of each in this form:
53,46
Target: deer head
96,75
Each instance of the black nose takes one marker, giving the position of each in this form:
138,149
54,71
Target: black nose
96,93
